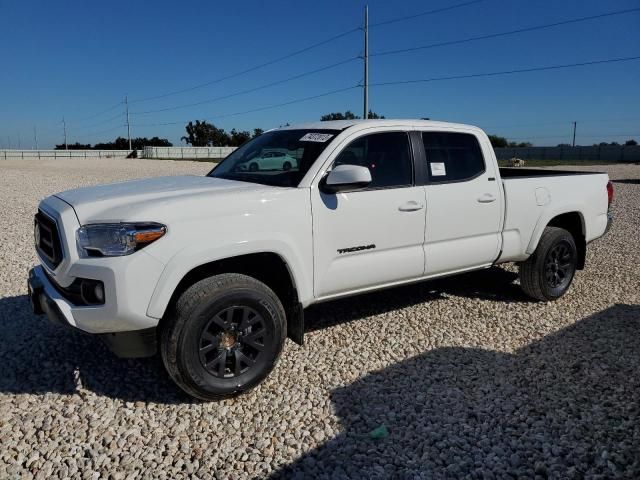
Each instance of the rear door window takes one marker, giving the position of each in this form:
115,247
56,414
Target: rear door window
452,157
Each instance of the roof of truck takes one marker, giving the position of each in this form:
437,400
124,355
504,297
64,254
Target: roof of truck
343,124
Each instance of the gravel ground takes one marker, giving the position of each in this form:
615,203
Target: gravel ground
448,379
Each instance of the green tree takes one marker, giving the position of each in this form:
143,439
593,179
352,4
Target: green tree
137,143
519,144
205,134
74,146
498,142
348,115
237,138
631,143
257,132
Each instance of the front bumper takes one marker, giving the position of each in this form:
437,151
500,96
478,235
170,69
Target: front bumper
45,299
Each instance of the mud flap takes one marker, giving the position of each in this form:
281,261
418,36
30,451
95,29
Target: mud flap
295,324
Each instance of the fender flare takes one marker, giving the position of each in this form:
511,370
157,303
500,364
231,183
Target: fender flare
546,217
196,256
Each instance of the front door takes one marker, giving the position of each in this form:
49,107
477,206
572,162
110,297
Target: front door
372,236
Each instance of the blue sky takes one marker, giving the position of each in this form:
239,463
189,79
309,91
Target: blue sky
77,59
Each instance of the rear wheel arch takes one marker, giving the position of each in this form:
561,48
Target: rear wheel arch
547,274
573,222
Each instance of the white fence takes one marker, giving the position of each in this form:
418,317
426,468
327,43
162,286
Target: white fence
5,154
214,153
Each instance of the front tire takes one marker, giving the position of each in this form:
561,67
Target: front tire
548,273
223,337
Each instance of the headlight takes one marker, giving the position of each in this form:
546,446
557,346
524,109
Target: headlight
116,239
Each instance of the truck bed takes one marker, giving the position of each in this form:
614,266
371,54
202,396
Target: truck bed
519,172
534,196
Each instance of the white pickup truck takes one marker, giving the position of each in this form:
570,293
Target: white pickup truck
215,271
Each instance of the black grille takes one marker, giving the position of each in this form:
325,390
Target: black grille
47,240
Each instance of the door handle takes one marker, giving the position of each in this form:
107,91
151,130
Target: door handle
411,206
487,198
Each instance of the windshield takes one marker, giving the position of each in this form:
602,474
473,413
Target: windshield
279,158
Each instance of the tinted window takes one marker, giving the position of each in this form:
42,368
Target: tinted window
386,155
452,156
278,158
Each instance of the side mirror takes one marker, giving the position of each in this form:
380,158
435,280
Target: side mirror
346,177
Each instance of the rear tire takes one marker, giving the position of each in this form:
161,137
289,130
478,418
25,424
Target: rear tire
223,337
548,273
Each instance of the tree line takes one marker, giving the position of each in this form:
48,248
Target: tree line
201,133
119,143
204,134
501,142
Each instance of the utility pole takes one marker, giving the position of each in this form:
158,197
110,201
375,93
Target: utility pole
366,62
35,137
64,127
126,102
574,133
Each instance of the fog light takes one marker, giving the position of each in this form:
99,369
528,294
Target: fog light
92,292
99,293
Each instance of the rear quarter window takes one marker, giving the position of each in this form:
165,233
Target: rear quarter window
452,157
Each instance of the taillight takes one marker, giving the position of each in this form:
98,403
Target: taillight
610,192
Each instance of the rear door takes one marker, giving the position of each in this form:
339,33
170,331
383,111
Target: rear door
464,203
374,236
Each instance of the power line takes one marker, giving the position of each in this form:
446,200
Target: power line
248,70
422,14
102,122
268,107
90,134
102,112
250,90
402,82
505,72
503,34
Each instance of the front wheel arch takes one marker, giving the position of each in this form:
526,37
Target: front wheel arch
267,267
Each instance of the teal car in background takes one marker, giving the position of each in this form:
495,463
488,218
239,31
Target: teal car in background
273,160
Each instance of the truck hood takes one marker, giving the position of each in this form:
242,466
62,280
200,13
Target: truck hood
126,201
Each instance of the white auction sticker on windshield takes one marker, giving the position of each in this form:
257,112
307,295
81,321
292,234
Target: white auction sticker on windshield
316,137
438,169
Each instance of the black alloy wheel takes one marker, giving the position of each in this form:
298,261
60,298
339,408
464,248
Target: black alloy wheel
223,336
560,265
232,342
547,274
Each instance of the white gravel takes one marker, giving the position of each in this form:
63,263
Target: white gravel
469,378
